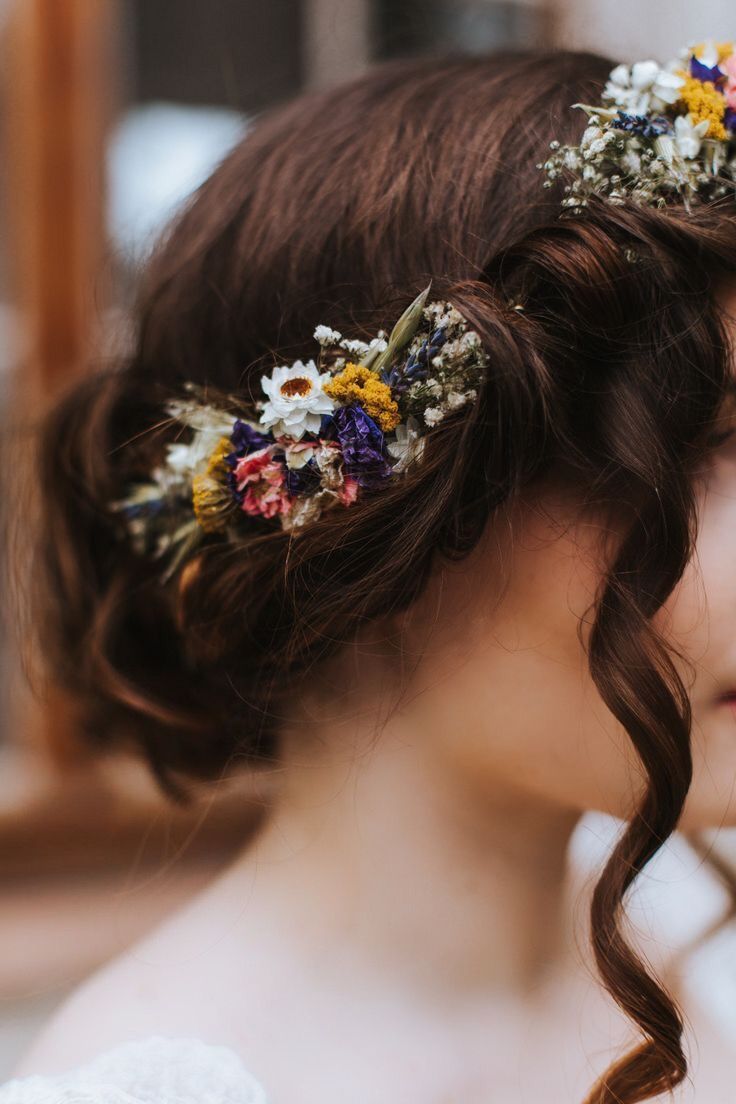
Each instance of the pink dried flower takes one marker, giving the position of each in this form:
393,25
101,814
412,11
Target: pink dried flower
349,491
263,476
729,68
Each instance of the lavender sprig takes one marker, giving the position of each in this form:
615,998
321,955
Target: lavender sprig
400,377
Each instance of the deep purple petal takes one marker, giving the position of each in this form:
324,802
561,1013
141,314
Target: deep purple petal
706,72
245,439
362,445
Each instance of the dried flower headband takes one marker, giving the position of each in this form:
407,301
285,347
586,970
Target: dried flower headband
660,133
327,432
323,434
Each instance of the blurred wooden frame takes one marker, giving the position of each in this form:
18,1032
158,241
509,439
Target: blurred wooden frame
60,95
61,90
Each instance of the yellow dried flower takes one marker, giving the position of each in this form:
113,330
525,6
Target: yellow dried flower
704,101
358,384
211,497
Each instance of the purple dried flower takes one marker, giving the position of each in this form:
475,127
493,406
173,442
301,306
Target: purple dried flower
706,72
401,376
362,445
647,126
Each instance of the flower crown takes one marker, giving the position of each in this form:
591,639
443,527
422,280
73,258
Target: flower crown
322,435
661,132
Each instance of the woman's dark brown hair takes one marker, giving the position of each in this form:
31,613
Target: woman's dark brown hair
339,208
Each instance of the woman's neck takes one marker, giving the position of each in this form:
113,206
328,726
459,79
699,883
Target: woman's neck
376,857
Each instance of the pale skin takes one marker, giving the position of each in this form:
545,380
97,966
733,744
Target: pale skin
403,927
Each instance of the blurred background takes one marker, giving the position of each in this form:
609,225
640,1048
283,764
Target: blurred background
111,112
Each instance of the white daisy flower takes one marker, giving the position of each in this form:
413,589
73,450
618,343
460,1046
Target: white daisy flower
689,135
296,401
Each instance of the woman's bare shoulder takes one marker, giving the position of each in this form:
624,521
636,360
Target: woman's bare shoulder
183,978
108,1006
143,990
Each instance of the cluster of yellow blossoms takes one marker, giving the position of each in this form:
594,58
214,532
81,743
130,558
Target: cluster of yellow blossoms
704,101
358,384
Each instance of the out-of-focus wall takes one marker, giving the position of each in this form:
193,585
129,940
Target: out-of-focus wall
638,29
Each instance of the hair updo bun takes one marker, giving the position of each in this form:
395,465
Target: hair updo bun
339,208
195,670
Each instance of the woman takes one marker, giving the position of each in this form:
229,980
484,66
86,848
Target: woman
527,617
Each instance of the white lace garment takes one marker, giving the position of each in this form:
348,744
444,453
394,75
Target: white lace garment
152,1070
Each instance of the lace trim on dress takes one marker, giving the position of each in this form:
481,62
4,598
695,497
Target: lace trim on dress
154,1070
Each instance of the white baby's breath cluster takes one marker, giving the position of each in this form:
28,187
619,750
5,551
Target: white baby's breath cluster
660,133
333,339
454,370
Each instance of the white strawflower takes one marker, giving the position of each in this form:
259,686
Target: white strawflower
296,401
689,135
